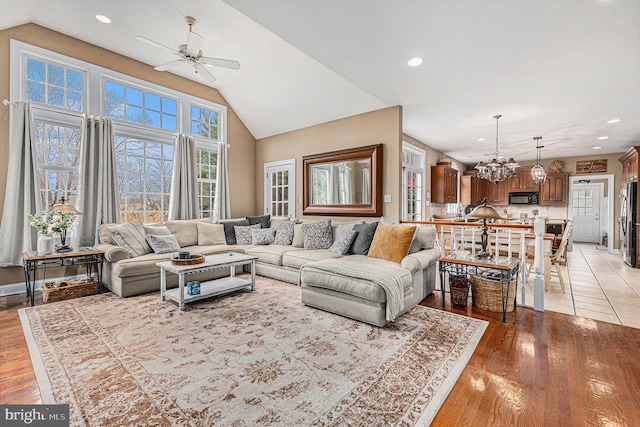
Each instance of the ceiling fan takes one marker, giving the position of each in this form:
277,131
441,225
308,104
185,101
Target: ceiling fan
191,54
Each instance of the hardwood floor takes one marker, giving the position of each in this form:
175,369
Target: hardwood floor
538,369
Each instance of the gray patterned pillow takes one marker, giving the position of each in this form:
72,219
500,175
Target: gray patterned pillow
263,236
164,244
131,236
317,235
342,245
284,233
243,233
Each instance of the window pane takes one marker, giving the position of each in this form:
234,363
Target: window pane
169,106
151,101
35,91
55,75
204,122
36,70
206,181
169,122
114,91
74,80
134,96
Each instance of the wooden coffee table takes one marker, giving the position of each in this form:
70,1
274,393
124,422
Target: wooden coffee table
209,288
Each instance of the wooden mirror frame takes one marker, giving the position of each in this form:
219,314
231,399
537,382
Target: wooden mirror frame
372,152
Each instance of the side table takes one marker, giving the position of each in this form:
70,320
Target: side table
32,262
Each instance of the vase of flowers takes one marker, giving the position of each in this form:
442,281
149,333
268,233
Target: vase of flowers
46,242
61,222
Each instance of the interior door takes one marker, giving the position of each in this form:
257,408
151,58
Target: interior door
585,205
279,188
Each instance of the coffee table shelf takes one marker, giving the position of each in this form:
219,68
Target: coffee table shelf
208,288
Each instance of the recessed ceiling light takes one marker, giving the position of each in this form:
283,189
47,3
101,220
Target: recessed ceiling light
482,139
613,121
597,147
603,137
414,62
103,19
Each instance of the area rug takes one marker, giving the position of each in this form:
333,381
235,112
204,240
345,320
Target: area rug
249,358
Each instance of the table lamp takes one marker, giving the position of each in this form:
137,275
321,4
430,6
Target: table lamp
484,212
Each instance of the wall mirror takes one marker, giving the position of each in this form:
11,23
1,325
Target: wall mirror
343,183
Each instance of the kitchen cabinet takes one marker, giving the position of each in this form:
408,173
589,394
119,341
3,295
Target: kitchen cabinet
555,190
444,184
472,189
630,164
522,181
497,194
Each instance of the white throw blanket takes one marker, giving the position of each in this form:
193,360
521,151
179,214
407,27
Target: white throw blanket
391,283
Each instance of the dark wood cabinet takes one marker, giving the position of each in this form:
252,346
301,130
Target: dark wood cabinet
555,190
473,190
522,181
444,184
630,164
497,194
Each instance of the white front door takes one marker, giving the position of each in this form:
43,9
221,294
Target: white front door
585,205
280,188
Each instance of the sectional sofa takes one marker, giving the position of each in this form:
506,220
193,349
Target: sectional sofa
129,272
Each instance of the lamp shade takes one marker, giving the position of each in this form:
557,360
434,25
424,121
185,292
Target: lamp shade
484,211
63,207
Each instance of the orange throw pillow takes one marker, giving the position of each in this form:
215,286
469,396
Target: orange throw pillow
391,242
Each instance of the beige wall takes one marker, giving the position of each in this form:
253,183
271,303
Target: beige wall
241,153
376,127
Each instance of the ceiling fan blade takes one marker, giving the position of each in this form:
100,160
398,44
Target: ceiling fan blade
156,44
204,73
194,43
224,63
169,65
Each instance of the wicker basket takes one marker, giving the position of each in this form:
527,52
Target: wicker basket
67,289
486,294
459,286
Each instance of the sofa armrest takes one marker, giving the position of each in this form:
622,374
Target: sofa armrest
112,253
421,260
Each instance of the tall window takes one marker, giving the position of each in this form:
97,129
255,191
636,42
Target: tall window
144,178
412,182
146,119
207,161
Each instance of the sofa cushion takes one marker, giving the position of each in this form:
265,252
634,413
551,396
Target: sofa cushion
229,231
186,230
424,239
211,234
297,259
357,287
298,235
131,236
164,244
263,236
243,233
155,230
338,228
105,236
391,242
263,220
284,232
271,254
363,240
342,245
317,235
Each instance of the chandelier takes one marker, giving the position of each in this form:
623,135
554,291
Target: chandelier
497,169
537,172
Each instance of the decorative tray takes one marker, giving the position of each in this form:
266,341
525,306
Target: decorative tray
194,259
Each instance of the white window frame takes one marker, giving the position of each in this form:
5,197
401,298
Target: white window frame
213,148
93,100
420,169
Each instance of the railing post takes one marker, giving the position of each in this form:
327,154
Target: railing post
538,281
523,266
442,241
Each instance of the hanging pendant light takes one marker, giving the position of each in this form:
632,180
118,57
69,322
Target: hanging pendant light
498,168
537,172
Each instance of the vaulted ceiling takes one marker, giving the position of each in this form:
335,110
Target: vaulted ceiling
559,69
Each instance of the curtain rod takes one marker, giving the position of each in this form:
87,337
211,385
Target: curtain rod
6,102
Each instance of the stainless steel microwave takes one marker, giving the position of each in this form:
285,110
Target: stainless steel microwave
523,198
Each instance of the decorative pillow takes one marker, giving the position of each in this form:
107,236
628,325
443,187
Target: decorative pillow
420,238
211,234
155,230
284,233
131,237
391,242
243,233
263,220
164,244
298,238
363,239
229,230
342,245
317,235
263,236
186,230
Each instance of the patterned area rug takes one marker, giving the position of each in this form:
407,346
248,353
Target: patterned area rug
250,358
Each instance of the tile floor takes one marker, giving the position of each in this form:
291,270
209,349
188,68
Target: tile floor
599,286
